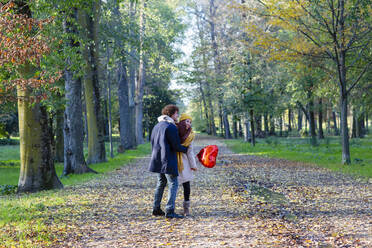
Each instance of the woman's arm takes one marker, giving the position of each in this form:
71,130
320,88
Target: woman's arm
191,157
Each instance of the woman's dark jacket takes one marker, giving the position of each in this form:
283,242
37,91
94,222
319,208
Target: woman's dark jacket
165,143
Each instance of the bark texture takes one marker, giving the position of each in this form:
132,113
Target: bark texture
37,164
96,143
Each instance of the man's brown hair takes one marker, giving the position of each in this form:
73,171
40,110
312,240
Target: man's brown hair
169,110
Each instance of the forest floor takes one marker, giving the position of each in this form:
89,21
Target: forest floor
244,201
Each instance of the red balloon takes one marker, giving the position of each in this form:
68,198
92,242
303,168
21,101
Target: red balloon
207,156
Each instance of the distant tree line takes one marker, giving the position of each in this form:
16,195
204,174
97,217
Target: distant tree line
262,68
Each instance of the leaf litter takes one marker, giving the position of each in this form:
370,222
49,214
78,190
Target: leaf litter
244,201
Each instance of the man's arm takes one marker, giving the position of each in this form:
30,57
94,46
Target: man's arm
174,140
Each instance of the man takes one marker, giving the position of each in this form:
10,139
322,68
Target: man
165,144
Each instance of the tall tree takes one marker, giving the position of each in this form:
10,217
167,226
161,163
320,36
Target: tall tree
37,163
217,66
133,72
74,161
141,76
89,20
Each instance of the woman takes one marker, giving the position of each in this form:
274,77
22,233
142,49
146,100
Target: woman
186,161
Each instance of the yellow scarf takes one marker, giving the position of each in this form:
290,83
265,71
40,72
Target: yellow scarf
187,143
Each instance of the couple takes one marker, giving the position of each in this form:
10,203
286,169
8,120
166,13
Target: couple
172,159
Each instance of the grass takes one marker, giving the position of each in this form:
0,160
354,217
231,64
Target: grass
327,154
40,219
9,164
110,165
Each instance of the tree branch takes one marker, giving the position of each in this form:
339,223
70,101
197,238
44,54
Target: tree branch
359,77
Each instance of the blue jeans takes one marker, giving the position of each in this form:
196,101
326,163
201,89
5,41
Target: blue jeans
172,192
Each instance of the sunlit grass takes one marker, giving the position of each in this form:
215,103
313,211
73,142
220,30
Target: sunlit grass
32,220
326,154
9,164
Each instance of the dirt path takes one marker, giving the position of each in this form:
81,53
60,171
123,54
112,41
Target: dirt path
244,201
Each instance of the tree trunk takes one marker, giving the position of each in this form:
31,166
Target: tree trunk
258,119
209,106
132,80
37,164
247,134
59,143
362,124
328,121
312,123
211,110
289,120
266,124
37,170
336,132
84,107
354,125
226,124
141,79
221,118
299,119
341,66
108,78
235,127
123,95
253,138
272,125
344,131
280,125
359,125
320,119
73,130
125,126
216,59
74,162
96,142
209,126
105,114
240,128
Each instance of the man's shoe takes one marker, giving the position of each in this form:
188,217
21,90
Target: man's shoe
171,214
158,212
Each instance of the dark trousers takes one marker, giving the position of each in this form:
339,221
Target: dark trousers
186,191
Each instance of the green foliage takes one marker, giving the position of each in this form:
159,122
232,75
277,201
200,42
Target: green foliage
7,189
153,104
8,124
198,124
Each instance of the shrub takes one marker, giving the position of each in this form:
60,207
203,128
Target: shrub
8,189
355,142
10,163
4,142
269,140
293,133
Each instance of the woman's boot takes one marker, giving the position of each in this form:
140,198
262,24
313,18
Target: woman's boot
186,208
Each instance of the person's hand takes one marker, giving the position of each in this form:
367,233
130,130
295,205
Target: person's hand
194,169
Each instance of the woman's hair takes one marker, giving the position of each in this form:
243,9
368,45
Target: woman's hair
183,131
169,110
